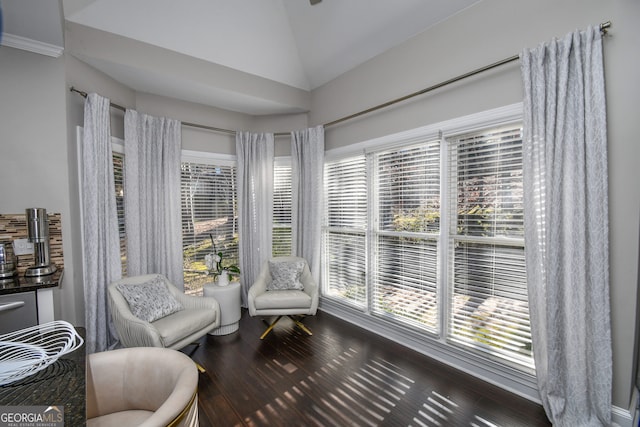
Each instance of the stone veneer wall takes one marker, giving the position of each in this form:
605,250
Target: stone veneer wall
14,226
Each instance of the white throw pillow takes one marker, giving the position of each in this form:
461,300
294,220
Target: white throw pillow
151,300
285,275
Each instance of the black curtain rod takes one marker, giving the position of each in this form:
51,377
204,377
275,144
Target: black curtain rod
603,29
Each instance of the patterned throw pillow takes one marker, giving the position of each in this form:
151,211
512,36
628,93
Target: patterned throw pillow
151,300
285,275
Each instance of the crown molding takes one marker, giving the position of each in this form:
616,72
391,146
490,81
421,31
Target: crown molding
18,42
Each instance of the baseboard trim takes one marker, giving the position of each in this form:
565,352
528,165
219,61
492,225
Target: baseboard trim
621,417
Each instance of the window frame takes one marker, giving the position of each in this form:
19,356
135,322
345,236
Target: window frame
513,377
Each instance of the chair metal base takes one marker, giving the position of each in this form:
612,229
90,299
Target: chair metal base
296,321
195,345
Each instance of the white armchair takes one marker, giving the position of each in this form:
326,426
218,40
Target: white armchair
283,302
150,387
176,330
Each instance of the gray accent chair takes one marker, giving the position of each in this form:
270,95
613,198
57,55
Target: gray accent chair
150,387
175,331
291,303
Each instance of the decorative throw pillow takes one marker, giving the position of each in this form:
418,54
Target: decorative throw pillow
151,300
285,275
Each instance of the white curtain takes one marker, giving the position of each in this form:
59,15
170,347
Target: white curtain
566,227
152,196
255,203
101,241
307,170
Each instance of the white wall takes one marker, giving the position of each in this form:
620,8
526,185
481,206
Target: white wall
483,34
33,156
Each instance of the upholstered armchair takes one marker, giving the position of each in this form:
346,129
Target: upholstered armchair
284,287
147,387
148,311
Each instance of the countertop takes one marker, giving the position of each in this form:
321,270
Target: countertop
60,384
19,283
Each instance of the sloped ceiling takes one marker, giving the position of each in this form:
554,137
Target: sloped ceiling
252,56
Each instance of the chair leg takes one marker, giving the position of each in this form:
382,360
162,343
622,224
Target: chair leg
265,333
300,325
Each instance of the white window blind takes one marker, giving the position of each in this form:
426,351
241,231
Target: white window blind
118,177
488,291
426,232
344,235
209,211
281,210
407,224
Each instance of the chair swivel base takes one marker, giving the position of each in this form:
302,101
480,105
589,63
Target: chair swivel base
273,324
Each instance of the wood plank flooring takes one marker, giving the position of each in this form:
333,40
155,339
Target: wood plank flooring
341,376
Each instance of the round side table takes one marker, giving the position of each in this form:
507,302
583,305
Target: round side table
229,299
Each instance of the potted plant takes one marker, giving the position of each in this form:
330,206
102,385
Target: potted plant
220,272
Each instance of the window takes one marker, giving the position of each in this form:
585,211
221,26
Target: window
118,177
406,226
281,208
426,232
488,285
345,232
209,217
209,211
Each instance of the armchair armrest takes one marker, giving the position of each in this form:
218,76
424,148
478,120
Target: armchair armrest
133,332
191,302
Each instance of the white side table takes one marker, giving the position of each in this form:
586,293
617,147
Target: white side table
229,299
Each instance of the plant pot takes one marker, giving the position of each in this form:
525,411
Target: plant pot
223,278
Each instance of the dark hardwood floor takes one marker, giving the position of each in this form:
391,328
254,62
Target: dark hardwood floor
341,376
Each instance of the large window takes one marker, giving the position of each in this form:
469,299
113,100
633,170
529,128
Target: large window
209,218
428,234
209,211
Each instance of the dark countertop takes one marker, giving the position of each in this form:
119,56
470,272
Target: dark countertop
19,283
60,384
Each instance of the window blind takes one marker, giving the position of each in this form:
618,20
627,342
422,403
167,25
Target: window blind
281,210
209,210
488,290
345,230
407,193
118,178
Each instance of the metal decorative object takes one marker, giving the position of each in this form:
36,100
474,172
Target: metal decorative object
27,351
38,228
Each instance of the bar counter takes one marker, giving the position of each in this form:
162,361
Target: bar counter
19,283
60,384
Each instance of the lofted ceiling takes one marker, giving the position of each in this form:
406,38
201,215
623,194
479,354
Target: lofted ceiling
251,56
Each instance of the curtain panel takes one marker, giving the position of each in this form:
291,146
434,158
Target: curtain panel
255,152
566,227
152,156
101,241
307,171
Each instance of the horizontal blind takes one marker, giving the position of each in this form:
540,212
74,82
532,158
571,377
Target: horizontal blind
489,309
281,210
407,187
346,193
209,210
118,178
344,236
345,266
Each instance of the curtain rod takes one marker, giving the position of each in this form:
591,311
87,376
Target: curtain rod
603,29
